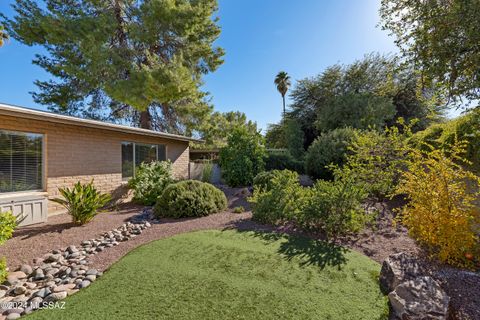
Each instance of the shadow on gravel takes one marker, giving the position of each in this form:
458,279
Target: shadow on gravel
37,229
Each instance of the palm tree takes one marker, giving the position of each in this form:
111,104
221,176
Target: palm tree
282,81
3,36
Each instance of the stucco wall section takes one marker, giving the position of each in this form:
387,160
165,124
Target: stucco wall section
76,153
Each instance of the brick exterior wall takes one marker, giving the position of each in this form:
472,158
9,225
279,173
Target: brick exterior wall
76,153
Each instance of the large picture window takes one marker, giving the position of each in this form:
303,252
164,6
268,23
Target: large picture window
21,161
134,154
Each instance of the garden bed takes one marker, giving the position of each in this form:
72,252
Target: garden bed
377,243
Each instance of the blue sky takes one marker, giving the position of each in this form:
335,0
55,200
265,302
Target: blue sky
260,37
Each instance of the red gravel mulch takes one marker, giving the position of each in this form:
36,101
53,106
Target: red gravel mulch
34,241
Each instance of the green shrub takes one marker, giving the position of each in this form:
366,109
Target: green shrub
283,160
190,198
377,159
427,137
243,158
443,135
207,171
263,179
3,270
331,207
8,222
150,180
282,201
82,201
329,148
238,209
334,208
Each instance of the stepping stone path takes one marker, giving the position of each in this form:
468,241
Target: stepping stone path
60,273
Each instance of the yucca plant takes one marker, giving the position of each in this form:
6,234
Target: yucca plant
82,201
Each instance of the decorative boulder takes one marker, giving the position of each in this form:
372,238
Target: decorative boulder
398,268
419,299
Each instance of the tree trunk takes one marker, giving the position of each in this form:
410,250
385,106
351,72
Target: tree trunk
283,97
145,119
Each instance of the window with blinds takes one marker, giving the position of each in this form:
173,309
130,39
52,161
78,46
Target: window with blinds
21,161
134,154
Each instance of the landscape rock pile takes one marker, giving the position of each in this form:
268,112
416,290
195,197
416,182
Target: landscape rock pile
60,273
412,293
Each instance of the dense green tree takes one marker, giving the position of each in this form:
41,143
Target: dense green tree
3,35
218,126
288,134
282,81
275,136
243,157
310,95
137,61
294,138
357,110
370,91
439,38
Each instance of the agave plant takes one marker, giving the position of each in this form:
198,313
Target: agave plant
82,201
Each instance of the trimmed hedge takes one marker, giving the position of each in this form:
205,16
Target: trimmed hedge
190,198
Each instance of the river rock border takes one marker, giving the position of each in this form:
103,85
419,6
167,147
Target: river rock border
61,273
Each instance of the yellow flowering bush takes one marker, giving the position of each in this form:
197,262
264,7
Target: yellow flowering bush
441,213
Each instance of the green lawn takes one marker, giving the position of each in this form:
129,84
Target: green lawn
232,275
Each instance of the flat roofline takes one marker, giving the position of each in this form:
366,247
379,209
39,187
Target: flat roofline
204,150
28,113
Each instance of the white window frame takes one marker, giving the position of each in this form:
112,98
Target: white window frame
44,167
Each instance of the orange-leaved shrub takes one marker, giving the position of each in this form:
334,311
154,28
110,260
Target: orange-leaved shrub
441,213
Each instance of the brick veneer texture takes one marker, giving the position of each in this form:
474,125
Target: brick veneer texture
77,153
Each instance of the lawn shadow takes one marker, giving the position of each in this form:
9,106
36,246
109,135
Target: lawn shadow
294,245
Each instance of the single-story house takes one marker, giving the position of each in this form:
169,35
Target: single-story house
42,151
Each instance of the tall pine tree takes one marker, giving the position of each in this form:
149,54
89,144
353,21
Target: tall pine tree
134,61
